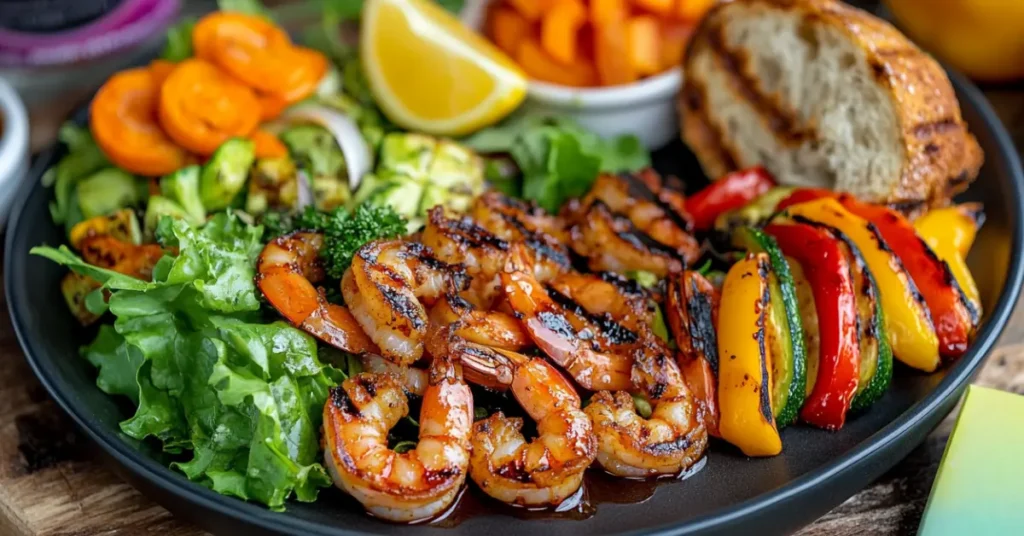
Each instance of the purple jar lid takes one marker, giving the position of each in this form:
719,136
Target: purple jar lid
127,24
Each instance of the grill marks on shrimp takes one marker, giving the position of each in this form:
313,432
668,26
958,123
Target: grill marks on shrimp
638,189
626,230
609,330
541,244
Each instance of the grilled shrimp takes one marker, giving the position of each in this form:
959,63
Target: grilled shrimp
642,197
515,220
670,441
565,333
607,297
286,272
492,328
632,223
461,240
383,288
506,466
415,485
413,380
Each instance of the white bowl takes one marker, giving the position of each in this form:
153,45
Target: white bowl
14,156
646,108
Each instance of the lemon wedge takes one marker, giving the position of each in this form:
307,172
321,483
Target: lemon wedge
430,73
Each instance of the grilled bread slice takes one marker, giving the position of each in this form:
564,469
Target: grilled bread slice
824,95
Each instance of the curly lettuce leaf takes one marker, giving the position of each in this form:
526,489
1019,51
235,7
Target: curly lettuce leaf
118,363
218,259
244,399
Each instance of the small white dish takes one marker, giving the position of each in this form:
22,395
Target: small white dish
646,108
14,155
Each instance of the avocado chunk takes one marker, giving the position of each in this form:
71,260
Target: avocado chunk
105,191
432,196
457,168
160,206
225,174
408,154
402,193
182,187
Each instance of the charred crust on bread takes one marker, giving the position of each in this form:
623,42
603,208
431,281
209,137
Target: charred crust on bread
938,155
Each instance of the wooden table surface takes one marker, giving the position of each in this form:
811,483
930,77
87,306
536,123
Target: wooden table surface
52,482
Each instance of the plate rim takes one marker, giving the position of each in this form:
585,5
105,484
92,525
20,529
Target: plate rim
156,474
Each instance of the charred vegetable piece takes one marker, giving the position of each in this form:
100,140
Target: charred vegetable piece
182,187
691,309
225,174
809,319
730,192
75,289
755,212
105,191
875,372
950,232
952,313
273,185
128,259
786,331
909,325
329,193
747,419
824,262
122,225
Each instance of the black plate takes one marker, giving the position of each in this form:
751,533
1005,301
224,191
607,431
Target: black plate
817,471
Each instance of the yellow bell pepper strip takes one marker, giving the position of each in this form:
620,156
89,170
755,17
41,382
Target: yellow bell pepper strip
691,308
746,419
911,333
950,233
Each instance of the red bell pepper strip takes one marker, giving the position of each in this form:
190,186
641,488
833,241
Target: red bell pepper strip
827,269
953,314
730,192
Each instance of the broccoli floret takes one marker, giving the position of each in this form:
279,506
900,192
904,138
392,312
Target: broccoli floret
344,232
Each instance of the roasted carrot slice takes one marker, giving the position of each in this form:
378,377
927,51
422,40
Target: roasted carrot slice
201,107
271,105
160,69
644,44
291,73
530,9
612,54
558,29
602,11
222,28
539,65
508,28
267,145
124,123
659,7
